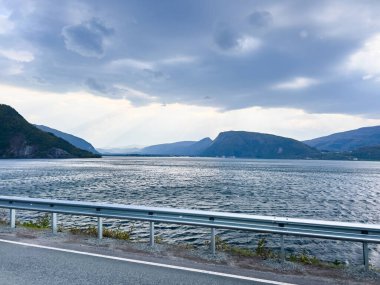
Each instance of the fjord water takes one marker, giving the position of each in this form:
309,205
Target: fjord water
329,190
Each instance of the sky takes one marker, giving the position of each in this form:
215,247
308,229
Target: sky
122,73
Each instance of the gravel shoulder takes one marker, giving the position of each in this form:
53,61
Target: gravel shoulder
200,258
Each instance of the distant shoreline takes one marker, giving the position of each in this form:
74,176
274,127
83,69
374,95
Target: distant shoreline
229,157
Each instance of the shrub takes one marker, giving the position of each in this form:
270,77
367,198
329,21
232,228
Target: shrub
109,233
42,222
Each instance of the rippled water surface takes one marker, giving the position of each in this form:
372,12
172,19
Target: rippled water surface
332,190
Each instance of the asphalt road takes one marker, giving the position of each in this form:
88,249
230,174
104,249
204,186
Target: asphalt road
21,265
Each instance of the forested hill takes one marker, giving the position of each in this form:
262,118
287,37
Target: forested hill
20,139
258,145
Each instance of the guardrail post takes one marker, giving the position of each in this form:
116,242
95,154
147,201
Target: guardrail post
151,233
282,248
365,256
100,227
12,218
54,227
212,244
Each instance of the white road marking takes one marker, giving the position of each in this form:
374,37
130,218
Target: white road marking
150,263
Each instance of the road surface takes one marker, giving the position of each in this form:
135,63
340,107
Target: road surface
21,264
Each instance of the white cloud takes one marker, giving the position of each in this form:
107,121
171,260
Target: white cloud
17,55
6,25
15,69
132,63
143,64
296,83
367,58
132,94
367,77
111,123
177,60
347,20
247,44
328,19
241,46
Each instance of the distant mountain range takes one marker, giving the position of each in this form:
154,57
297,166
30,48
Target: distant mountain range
361,144
75,141
236,144
347,141
119,150
20,139
258,145
184,148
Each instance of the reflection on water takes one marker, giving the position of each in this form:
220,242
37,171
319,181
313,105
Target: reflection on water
332,190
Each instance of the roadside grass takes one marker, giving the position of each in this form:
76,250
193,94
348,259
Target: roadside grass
186,246
262,251
307,259
107,233
42,222
158,239
221,245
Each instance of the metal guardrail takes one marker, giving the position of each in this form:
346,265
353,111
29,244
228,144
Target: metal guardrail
355,232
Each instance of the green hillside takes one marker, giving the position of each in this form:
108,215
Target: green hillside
367,153
347,141
258,145
19,139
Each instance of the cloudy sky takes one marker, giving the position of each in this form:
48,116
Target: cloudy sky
121,73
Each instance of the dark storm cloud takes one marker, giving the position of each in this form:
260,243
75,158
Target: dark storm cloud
226,38
101,89
248,53
135,97
87,38
155,75
95,86
260,19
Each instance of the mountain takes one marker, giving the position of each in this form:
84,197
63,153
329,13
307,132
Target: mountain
198,147
187,148
347,141
367,153
19,139
119,150
258,145
75,141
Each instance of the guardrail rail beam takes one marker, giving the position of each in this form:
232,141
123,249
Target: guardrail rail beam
335,230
